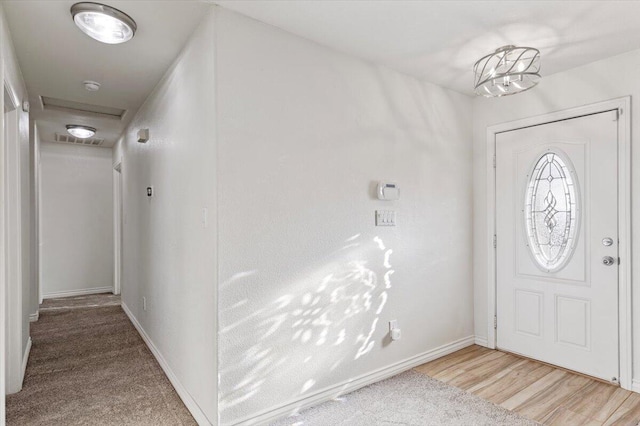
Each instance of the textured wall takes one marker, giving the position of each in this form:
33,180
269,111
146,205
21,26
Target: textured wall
580,86
307,282
169,253
77,218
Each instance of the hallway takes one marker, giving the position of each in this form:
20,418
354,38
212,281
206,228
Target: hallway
88,365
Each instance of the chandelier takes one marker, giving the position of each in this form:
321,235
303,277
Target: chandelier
507,71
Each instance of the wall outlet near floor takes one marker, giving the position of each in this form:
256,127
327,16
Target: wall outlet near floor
394,331
144,303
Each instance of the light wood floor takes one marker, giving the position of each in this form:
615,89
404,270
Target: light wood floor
549,395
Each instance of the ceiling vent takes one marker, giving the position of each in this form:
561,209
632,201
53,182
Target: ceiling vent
80,108
62,138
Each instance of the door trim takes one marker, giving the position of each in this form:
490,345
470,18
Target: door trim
623,105
117,227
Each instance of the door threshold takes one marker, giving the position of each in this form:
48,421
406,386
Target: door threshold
560,368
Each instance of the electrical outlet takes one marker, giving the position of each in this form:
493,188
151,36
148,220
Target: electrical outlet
144,303
394,332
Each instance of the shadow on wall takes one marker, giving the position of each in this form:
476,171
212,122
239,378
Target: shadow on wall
324,323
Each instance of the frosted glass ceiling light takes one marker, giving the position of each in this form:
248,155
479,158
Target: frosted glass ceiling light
81,132
507,71
92,86
103,23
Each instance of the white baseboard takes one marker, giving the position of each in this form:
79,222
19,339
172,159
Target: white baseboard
635,385
481,341
34,317
332,392
81,292
188,400
25,358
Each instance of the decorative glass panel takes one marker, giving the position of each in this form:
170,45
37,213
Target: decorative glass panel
551,211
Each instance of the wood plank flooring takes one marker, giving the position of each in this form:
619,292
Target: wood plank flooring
549,395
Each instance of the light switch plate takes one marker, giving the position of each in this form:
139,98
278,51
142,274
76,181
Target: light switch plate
385,218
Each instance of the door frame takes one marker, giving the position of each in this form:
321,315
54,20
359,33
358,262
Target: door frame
13,226
117,227
623,105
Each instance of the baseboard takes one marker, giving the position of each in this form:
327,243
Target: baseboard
347,386
81,292
481,341
34,317
25,357
635,385
188,400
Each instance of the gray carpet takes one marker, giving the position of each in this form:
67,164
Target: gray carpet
89,366
408,399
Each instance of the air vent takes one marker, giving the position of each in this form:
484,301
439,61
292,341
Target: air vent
62,138
79,107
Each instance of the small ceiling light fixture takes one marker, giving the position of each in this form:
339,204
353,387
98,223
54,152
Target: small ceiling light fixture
103,23
92,86
507,71
82,132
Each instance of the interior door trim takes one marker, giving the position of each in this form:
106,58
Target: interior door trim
623,106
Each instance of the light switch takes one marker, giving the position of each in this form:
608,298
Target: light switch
385,218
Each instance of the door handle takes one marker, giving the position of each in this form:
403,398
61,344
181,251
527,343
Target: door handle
608,260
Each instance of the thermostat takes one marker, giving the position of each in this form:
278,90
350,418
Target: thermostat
388,191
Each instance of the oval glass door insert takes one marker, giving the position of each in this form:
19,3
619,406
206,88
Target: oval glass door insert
551,211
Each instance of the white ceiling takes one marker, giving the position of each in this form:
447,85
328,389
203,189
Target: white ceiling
56,57
439,41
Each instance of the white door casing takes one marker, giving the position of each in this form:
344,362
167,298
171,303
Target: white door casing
556,200
13,261
117,227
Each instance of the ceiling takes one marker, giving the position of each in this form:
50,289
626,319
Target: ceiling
439,41
56,57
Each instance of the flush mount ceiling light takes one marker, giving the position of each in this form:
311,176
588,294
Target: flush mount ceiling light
92,86
103,23
507,71
81,132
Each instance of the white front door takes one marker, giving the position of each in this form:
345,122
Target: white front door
557,243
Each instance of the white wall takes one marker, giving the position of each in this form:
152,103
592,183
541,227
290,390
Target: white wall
77,220
599,81
304,133
169,253
17,213
3,239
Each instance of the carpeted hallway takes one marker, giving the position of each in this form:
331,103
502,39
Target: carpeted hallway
88,365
